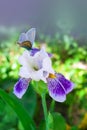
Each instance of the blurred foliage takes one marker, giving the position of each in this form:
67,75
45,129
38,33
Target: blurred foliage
70,59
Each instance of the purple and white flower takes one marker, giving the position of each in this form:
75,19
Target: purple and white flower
36,65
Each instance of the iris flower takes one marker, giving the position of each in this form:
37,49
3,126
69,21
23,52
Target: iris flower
36,65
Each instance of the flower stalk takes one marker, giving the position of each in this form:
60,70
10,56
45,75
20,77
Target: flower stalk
43,96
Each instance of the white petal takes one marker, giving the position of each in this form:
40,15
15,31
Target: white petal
23,58
41,54
47,65
24,72
58,98
38,75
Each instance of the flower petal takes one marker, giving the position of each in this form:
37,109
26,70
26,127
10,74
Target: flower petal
33,51
67,84
30,35
58,87
24,72
36,67
24,58
55,90
22,38
47,65
21,87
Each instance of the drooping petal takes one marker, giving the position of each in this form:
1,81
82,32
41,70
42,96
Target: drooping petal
67,84
58,87
21,86
55,90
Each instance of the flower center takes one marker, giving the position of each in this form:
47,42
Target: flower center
35,68
52,76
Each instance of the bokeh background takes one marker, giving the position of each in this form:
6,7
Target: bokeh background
62,28
49,17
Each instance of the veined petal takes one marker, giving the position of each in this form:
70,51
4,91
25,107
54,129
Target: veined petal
21,86
58,87
67,84
55,90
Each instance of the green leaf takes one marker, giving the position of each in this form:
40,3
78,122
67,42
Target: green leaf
24,117
42,125
58,122
74,128
55,122
50,121
29,100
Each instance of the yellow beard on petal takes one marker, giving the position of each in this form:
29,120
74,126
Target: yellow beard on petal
52,76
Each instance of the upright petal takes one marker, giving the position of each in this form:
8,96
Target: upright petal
30,35
58,87
47,65
22,38
21,86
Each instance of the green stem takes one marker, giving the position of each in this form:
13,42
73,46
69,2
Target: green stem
52,106
45,110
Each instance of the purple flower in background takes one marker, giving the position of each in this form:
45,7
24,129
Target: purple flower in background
26,40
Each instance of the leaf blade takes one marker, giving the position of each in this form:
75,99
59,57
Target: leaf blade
24,117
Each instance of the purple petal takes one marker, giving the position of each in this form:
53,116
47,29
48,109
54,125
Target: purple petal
21,86
58,87
67,84
55,90
33,51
